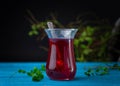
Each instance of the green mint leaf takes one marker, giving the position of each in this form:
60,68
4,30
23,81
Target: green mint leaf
103,73
105,69
21,71
87,73
43,68
97,70
30,33
30,73
37,77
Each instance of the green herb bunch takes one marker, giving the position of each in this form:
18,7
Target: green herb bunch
35,73
101,70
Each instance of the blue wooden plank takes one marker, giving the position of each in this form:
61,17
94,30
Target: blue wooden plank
7,69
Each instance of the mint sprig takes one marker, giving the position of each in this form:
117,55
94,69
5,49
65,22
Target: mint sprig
35,73
101,70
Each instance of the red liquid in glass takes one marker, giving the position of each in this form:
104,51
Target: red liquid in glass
61,62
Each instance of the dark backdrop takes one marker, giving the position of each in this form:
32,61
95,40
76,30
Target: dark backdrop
16,45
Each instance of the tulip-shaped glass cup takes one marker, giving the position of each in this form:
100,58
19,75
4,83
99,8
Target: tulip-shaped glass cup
61,64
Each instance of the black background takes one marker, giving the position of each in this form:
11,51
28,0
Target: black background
16,45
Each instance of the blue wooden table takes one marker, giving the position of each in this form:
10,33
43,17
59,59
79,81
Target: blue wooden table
8,69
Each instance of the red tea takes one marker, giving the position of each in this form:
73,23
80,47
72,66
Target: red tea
61,61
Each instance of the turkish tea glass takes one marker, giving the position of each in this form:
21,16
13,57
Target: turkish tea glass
60,63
